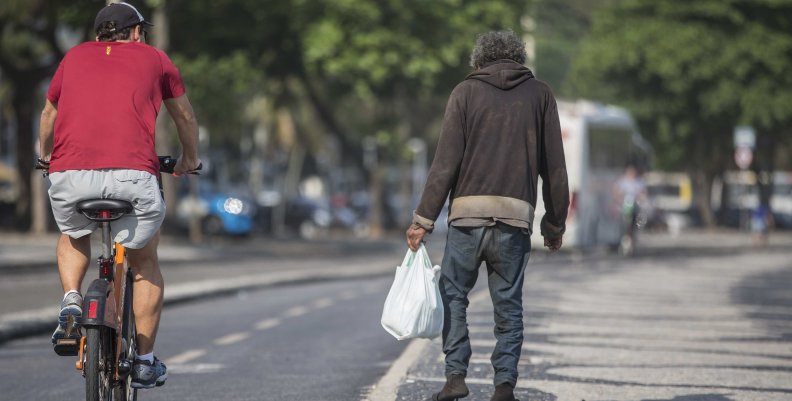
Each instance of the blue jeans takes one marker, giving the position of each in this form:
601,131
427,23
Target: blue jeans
505,250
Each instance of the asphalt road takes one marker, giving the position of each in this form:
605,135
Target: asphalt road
318,341
692,318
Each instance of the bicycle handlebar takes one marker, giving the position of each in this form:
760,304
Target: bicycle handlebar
42,164
167,164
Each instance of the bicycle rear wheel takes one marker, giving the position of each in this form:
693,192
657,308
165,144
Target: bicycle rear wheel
99,358
124,391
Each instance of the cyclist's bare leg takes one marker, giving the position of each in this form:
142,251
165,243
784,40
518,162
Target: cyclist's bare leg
73,256
148,290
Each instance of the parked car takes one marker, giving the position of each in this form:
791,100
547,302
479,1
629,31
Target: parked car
220,211
781,202
309,217
671,199
735,195
9,188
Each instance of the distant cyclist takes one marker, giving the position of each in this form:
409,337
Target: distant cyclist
630,193
97,136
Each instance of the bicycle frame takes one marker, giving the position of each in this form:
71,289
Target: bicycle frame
102,298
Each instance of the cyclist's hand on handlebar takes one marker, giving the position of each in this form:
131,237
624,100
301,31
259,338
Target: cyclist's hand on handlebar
186,166
42,164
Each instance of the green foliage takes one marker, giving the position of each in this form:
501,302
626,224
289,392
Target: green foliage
691,71
374,47
29,53
219,90
385,57
363,68
561,25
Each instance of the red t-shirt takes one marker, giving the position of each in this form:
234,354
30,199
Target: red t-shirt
108,95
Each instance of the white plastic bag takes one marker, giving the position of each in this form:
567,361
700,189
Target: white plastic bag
413,308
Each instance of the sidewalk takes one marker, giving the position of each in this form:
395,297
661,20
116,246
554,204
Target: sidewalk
703,316
31,287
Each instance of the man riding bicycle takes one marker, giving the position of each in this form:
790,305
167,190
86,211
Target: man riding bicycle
97,138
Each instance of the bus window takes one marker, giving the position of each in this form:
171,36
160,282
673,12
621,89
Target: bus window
609,147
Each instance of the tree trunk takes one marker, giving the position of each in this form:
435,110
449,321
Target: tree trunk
288,132
23,109
160,40
24,75
350,150
40,211
377,201
702,177
764,166
703,184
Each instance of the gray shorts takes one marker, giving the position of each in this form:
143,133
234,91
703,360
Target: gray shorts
138,187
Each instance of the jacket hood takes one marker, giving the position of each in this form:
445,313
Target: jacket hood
502,74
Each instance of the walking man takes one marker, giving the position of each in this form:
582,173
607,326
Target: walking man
500,132
97,138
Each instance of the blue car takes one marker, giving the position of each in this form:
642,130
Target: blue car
220,212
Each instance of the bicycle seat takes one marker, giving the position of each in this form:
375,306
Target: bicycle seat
104,209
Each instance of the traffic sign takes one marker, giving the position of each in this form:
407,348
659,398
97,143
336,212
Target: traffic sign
743,156
744,137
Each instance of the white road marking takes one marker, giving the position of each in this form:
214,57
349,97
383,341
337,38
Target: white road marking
185,357
194,368
347,295
322,303
296,311
232,338
268,324
388,387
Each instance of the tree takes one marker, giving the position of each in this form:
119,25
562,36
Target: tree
561,26
367,68
220,90
690,72
30,49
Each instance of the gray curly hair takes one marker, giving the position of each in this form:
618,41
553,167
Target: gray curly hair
497,45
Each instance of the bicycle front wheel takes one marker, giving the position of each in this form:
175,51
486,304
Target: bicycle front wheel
98,364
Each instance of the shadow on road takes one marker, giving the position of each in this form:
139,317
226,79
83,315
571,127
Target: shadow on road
696,397
769,296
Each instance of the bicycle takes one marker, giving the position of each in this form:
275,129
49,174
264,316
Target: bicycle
107,351
633,219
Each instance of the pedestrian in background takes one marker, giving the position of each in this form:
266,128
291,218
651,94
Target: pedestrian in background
500,132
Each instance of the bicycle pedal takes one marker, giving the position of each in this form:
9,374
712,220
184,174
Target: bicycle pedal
67,346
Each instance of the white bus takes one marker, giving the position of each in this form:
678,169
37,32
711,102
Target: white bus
599,142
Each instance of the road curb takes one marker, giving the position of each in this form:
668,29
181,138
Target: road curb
40,321
31,260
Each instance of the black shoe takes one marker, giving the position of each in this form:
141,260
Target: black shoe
453,390
504,392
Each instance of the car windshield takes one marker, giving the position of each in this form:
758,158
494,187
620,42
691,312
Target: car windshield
783,189
663,190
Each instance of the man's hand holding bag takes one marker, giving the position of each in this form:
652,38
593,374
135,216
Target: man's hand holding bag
413,308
